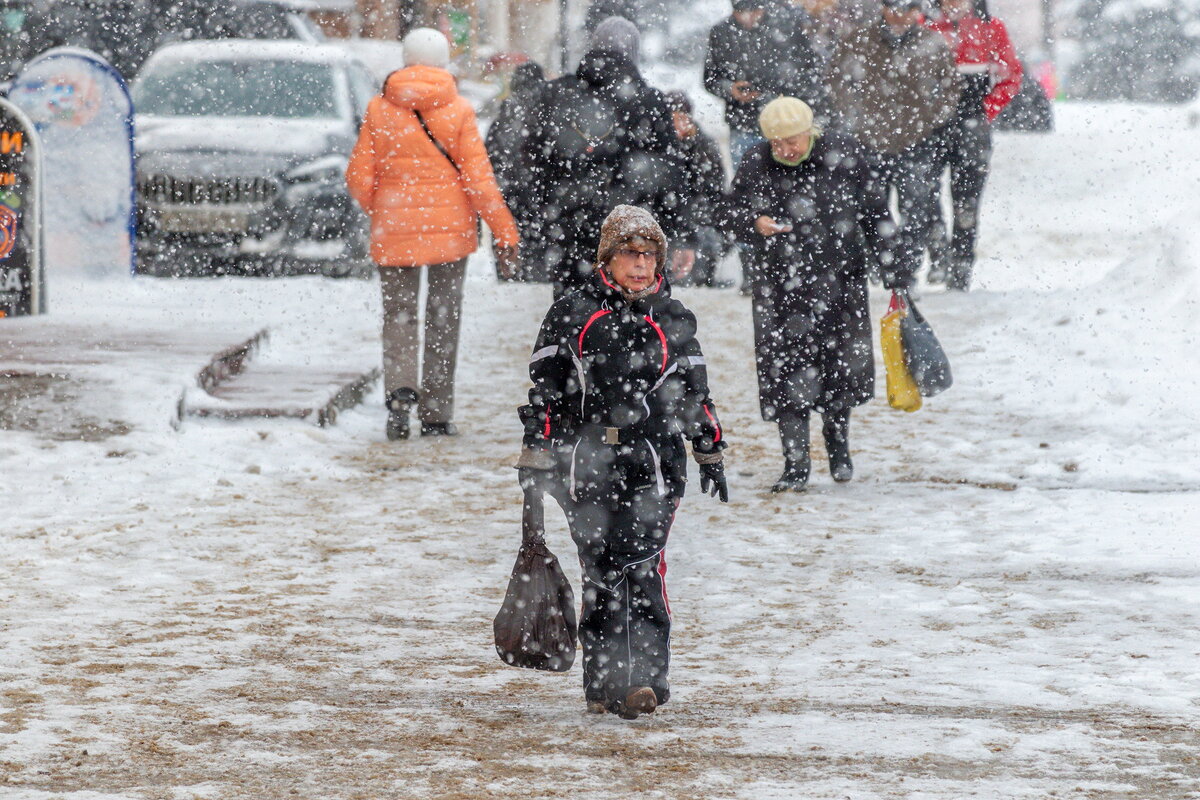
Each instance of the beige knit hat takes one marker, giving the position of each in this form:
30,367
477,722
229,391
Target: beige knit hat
785,117
625,223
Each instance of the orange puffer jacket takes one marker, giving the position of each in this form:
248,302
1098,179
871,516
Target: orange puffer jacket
422,211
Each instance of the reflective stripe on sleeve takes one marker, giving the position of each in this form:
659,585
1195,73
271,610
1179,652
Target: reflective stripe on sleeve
545,352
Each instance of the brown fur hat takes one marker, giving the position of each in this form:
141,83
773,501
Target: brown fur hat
625,223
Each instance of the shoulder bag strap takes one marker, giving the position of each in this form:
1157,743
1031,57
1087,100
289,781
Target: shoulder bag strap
436,143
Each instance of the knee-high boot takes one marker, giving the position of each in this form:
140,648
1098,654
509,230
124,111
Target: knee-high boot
837,444
793,433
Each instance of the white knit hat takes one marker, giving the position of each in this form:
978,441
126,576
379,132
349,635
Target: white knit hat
785,117
426,47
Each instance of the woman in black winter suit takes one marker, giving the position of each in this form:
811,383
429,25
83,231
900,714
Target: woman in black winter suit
618,381
813,218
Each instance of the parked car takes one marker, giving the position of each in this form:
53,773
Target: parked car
126,31
241,155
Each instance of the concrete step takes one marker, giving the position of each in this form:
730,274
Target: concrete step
280,390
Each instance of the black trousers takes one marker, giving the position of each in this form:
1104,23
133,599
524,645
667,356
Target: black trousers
964,146
911,174
625,623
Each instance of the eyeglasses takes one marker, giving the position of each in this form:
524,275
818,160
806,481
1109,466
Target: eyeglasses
635,255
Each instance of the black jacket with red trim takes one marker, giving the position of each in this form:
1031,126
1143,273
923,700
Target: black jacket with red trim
602,361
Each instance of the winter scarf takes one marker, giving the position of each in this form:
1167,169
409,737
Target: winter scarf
811,143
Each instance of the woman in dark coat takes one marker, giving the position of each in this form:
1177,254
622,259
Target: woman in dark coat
701,196
619,381
813,219
504,142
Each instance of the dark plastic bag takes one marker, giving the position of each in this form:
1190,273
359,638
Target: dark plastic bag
536,626
923,353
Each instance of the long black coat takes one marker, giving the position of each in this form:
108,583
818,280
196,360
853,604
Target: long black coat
505,142
813,342
602,361
597,139
774,57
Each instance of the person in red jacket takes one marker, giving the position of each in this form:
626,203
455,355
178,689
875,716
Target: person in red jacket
991,78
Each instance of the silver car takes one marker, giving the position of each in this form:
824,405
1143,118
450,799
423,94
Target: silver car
241,156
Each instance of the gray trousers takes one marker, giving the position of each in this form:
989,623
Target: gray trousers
431,377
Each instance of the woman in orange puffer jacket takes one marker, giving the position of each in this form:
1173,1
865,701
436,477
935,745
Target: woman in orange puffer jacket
421,173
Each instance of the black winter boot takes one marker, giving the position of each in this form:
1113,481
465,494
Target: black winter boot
439,429
958,276
939,260
793,433
399,406
837,444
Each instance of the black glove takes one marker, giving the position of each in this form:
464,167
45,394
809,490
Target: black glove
714,474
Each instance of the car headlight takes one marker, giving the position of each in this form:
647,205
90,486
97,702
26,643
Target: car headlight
326,169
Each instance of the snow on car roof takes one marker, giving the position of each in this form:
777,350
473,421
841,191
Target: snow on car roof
249,50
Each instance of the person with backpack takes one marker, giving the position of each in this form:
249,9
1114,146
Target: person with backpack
619,381
598,138
991,75
805,204
420,172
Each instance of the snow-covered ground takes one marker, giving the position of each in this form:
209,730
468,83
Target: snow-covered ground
1003,604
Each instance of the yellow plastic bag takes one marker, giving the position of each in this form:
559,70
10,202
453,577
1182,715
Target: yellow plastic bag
902,390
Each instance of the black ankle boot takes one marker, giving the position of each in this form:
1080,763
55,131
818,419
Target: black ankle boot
399,406
438,429
793,433
837,444
794,477
958,275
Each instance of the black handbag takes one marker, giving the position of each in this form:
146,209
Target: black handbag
923,353
536,627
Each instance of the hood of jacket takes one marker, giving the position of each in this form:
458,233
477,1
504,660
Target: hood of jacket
421,88
527,77
608,69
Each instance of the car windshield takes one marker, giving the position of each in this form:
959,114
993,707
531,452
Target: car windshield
252,88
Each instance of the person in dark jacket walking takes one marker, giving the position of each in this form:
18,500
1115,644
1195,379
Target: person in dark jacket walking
893,84
703,195
753,56
598,138
991,76
619,380
800,201
505,140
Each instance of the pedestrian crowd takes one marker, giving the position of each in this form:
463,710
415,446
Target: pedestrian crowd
608,188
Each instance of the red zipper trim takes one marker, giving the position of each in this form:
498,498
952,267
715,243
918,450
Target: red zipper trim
588,324
662,338
716,424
